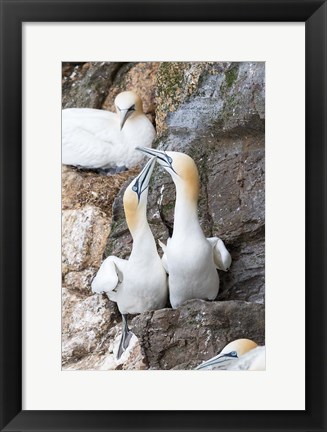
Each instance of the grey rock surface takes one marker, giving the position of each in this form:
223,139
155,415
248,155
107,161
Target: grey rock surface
196,331
84,235
85,325
88,85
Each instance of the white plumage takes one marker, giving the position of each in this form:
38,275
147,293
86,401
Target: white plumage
190,259
93,138
138,284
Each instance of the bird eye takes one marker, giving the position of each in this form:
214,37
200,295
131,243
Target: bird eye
233,354
132,108
169,159
134,188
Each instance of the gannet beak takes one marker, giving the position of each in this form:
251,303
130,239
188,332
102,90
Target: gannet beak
162,157
124,114
220,360
142,181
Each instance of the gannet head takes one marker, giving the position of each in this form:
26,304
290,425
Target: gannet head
238,346
180,166
136,194
128,104
230,352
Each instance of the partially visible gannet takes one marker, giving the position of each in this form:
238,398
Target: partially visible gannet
189,258
241,354
138,284
93,138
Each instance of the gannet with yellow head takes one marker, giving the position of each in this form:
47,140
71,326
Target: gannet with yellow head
190,259
138,284
99,139
237,355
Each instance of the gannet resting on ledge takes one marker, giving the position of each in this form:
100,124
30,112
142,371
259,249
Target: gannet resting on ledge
99,139
138,284
241,354
189,258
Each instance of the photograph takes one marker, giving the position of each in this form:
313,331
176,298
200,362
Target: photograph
163,216
163,209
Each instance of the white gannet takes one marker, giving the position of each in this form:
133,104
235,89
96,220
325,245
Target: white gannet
189,258
138,284
99,139
241,354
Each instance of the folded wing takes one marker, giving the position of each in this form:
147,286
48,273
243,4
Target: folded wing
221,256
109,277
89,137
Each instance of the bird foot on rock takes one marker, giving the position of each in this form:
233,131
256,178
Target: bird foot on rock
124,343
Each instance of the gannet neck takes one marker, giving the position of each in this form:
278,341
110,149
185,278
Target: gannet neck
143,241
138,226
186,212
135,203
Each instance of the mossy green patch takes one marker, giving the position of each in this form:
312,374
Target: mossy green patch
176,82
231,76
170,83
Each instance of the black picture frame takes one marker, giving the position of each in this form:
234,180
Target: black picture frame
13,14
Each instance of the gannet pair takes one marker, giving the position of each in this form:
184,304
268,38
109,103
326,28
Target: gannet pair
239,354
138,284
99,139
190,259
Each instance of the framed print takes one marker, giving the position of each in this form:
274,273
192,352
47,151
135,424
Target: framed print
231,91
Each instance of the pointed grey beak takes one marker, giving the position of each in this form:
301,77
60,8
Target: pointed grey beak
221,361
142,181
152,152
124,114
162,157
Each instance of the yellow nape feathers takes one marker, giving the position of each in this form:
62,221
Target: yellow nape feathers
186,169
131,203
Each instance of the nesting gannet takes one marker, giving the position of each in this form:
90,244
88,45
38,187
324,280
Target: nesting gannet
237,355
93,138
189,258
138,284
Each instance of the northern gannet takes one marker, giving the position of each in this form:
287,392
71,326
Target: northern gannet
99,139
189,258
237,355
138,284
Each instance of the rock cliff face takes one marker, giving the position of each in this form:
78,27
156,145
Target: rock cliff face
196,331
215,113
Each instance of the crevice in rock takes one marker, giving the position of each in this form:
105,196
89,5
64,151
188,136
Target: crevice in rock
167,224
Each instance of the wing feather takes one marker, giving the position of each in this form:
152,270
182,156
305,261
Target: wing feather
89,137
110,275
221,256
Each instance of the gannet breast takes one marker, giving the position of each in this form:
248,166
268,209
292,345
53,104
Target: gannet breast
192,273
